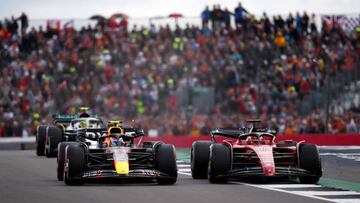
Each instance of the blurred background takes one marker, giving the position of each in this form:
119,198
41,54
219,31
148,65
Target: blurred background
182,68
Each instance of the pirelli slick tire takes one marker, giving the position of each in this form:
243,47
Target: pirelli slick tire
219,162
165,162
200,159
61,158
53,138
40,140
309,160
74,163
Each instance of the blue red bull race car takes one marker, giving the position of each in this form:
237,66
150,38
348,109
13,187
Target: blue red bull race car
116,156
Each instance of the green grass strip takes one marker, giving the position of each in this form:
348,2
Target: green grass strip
183,154
342,184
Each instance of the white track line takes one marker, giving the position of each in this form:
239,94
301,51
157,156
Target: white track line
339,154
347,200
282,188
327,193
279,186
339,147
185,170
188,174
183,166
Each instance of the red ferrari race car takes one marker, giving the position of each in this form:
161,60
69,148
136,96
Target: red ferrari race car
253,152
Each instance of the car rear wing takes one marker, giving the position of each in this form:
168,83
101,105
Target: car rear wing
63,118
230,133
92,134
96,133
240,133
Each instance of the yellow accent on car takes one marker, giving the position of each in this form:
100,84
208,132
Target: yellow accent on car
122,167
84,108
115,129
115,123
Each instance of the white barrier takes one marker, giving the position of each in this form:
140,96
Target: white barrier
17,140
17,143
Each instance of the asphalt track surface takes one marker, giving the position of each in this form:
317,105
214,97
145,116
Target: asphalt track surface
24,177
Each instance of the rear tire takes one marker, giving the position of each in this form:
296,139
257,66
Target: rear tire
40,140
309,159
200,159
61,158
219,162
165,158
75,161
53,138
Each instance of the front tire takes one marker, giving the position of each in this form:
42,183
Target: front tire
199,159
219,162
61,158
166,163
75,161
40,140
309,159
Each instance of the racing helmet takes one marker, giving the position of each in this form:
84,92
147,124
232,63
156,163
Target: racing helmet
116,133
111,142
83,124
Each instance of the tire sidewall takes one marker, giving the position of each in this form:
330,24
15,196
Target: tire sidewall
40,140
309,159
165,162
199,159
61,159
219,162
75,164
54,136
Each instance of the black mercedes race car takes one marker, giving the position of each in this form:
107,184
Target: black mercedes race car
116,156
60,122
62,129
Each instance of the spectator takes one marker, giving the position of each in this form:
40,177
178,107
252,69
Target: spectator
351,126
226,18
205,16
290,129
24,23
280,41
305,22
290,21
239,13
217,16
12,25
313,27
266,24
299,23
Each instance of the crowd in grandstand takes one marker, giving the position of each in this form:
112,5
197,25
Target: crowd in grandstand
260,66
